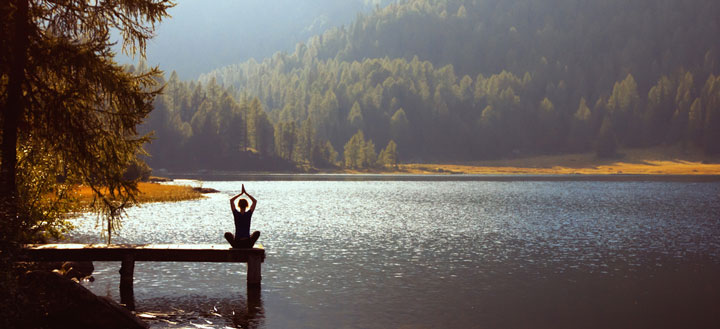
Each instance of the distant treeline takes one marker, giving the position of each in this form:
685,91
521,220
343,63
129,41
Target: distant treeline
198,127
463,80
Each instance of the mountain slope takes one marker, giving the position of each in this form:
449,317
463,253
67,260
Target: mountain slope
447,80
204,35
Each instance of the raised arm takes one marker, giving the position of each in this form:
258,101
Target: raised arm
254,202
232,200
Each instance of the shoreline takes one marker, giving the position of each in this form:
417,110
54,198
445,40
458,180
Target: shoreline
644,168
149,192
655,164
399,176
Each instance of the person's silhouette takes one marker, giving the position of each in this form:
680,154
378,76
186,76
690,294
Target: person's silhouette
242,237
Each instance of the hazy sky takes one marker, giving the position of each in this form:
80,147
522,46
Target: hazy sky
204,35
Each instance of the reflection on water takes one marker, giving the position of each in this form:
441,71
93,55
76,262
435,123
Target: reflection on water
175,295
425,254
203,312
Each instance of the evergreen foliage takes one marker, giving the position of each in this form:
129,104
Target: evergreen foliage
451,80
389,156
70,113
606,144
200,126
69,116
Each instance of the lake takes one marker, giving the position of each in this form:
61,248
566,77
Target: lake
436,253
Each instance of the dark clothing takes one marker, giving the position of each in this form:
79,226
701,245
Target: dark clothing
242,242
242,223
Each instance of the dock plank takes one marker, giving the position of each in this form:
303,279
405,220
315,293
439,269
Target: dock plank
128,254
140,252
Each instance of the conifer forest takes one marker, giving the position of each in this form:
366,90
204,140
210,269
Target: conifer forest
455,80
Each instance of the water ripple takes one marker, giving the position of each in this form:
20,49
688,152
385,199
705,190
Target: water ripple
411,253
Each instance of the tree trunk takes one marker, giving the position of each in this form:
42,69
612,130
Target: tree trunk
12,112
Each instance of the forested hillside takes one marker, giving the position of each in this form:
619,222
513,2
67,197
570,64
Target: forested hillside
448,80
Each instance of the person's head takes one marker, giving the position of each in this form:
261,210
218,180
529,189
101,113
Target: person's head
243,204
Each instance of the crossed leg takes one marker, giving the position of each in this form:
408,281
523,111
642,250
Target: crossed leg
247,242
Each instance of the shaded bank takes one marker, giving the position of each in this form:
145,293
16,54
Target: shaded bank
53,301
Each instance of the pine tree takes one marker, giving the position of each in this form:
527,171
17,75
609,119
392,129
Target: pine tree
305,140
324,155
606,144
696,122
581,130
711,124
389,156
623,105
659,112
285,139
400,126
355,117
369,158
69,116
549,133
354,151
70,100
684,97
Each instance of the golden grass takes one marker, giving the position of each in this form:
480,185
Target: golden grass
648,168
151,192
651,161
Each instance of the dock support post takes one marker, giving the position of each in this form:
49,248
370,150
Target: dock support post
254,301
127,295
254,276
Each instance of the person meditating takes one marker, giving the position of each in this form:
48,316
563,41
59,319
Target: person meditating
242,237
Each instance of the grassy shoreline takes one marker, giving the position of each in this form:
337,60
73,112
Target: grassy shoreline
619,167
654,161
657,164
151,192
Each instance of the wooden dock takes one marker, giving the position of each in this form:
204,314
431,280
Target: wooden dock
128,254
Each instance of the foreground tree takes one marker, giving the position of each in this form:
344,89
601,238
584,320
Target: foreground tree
68,105
69,115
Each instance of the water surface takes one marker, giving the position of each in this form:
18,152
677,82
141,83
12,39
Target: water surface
438,253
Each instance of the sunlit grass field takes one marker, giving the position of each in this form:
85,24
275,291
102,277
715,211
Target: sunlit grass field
679,167
652,161
150,192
